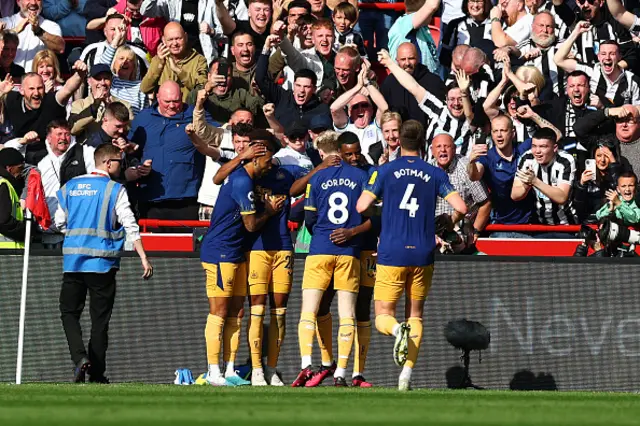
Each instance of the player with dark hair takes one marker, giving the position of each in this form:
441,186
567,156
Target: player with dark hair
409,188
223,256
330,205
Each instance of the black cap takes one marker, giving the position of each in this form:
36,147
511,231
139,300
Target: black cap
296,129
100,69
10,157
320,122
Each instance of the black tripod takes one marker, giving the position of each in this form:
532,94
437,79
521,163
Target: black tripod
466,380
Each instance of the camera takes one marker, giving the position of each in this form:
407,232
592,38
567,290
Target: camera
619,239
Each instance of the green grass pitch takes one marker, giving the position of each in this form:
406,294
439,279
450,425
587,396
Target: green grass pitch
139,405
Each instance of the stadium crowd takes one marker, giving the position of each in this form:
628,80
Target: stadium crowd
529,107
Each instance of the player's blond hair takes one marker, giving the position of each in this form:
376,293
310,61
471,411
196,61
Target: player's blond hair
327,141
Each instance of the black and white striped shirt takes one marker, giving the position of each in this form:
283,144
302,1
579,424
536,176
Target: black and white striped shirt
624,90
545,63
352,37
588,44
481,83
561,170
466,30
441,121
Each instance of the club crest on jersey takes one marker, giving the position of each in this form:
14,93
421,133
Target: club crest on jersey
280,176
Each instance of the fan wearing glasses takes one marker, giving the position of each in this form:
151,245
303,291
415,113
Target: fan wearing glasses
353,112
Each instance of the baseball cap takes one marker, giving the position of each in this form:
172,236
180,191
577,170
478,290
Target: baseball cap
100,69
296,129
320,122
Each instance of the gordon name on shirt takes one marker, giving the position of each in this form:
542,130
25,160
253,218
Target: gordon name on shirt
339,182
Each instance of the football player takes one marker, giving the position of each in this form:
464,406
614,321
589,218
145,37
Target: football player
223,257
330,204
408,188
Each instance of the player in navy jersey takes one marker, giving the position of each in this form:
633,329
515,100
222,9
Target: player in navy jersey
408,188
351,153
271,271
222,253
330,204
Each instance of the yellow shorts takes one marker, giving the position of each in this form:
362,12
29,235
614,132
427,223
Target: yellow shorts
233,277
368,268
391,280
270,272
320,268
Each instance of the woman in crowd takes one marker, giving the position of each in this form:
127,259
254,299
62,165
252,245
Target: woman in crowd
125,68
46,64
473,29
590,189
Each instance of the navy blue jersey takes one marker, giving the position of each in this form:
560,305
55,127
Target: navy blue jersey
408,187
275,234
224,239
333,193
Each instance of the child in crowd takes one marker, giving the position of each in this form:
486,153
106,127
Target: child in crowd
345,16
622,201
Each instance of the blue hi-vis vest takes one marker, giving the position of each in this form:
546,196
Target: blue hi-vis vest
93,241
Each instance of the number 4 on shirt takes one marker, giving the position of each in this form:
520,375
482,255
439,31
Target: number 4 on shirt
409,203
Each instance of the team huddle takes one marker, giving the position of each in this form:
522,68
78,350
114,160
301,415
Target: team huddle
373,237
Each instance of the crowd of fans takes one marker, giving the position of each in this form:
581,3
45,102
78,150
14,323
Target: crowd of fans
530,106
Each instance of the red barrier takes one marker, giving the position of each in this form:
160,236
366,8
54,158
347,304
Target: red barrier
398,7
157,223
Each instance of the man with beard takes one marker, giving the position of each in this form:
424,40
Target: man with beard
300,103
603,27
320,59
32,110
223,97
565,110
359,118
399,98
35,32
610,84
624,121
175,61
539,51
514,15
497,167
260,12
12,224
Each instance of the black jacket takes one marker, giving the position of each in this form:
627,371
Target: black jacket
403,102
287,110
9,226
590,197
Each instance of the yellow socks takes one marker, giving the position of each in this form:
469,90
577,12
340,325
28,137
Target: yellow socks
212,336
385,324
415,336
231,339
255,335
346,334
277,328
325,338
363,338
306,332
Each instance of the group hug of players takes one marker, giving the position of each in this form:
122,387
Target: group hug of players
372,236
